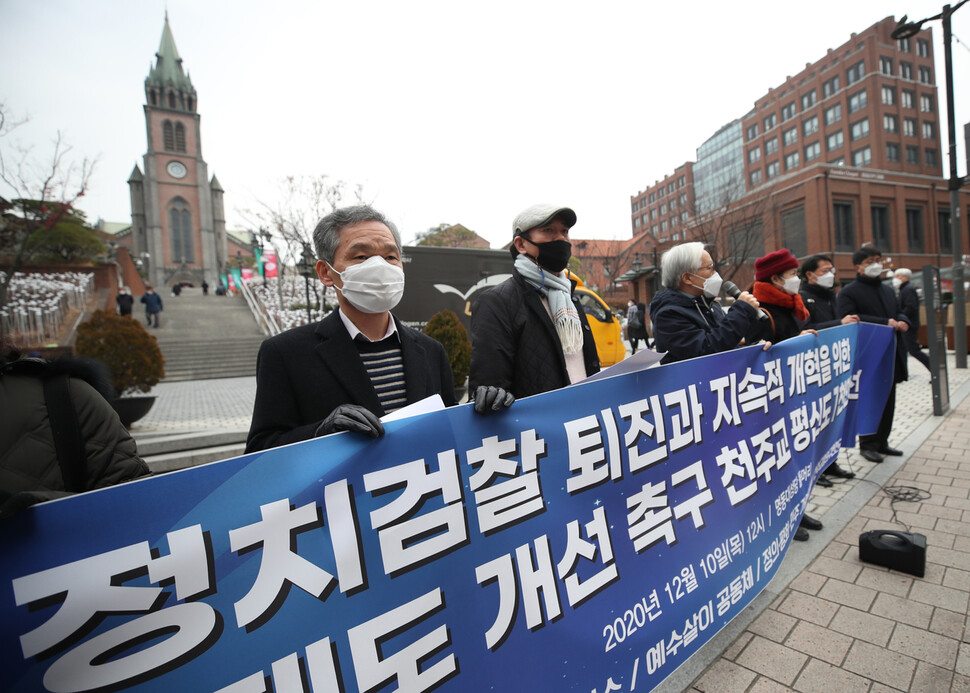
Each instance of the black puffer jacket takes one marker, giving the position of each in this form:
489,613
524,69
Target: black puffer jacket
689,326
515,345
820,303
873,301
29,468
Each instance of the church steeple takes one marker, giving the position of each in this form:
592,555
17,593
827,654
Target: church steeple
167,85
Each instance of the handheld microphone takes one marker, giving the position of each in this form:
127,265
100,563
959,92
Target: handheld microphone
732,290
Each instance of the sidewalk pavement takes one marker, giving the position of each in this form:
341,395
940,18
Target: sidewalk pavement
827,622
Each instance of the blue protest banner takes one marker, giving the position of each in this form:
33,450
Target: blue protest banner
584,539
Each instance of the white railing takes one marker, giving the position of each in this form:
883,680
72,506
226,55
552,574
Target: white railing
284,300
38,304
267,323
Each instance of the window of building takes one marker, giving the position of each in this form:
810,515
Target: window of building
926,103
833,114
653,214
673,204
830,86
930,157
902,45
793,234
683,217
653,229
179,137
922,48
881,237
908,99
652,198
636,222
772,170
834,141
843,227
663,207
855,73
683,197
171,99
154,97
912,155
771,146
862,157
788,111
928,130
660,193
663,226
888,96
886,66
789,137
682,181
892,151
791,161
813,151
914,230
673,222
643,219
810,126
180,231
636,205
755,177
909,127
670,187
751,132
946,237
905,70
769,122
838,161
168,136
925,75
858,101
890,123
859,129
808,100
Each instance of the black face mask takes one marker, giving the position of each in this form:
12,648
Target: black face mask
554,255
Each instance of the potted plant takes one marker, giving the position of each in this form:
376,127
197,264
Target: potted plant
446,328
130,353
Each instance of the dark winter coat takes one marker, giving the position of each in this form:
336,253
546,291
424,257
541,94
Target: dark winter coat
688,326
874,302
305,373
124,301
153,302
909,304
820,303
515,345
29,467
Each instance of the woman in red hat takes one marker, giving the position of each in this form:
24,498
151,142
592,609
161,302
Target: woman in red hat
776,288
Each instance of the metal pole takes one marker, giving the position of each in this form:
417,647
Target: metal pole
306,283
956,232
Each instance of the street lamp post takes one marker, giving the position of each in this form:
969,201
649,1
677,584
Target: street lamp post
306,266
903,30
636,268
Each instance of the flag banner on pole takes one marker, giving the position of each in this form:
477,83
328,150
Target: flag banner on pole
588,539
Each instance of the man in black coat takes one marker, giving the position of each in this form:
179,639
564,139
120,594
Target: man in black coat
529,333
359,362
874,302
909,305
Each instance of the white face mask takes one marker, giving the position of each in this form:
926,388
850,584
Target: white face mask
827,280
873,271
712,285
896,284
372,286
792,285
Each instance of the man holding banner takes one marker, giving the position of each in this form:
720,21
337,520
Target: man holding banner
359,362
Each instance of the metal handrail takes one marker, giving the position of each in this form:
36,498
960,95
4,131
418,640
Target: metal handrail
266,322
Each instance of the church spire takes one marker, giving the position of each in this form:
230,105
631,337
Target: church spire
167,84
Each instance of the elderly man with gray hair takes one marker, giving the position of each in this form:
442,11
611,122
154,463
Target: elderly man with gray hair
687,321
359,362
909,306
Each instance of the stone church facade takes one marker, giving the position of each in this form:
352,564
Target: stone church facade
178,226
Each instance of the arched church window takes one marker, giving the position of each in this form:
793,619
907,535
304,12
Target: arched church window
180,231
168,136
191,103
179,137
171,99
153,97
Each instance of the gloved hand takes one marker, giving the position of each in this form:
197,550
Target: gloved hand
351,417
489,398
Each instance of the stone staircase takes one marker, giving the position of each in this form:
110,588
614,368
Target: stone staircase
204,337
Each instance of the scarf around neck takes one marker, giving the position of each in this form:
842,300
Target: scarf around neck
771,294
558,291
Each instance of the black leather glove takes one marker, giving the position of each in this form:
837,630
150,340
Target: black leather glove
489,398
351,417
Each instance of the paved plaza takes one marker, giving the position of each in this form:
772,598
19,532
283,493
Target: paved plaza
827,622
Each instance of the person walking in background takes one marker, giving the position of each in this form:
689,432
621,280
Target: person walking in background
635,327
125,300
909,305
876,303
153,305
205,288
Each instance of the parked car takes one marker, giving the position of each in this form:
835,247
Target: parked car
607,332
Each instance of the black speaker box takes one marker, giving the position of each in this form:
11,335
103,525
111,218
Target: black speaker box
902,551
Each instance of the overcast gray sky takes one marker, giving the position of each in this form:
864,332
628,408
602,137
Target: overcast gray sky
451,112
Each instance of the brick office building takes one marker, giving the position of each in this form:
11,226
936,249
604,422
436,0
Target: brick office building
846,152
